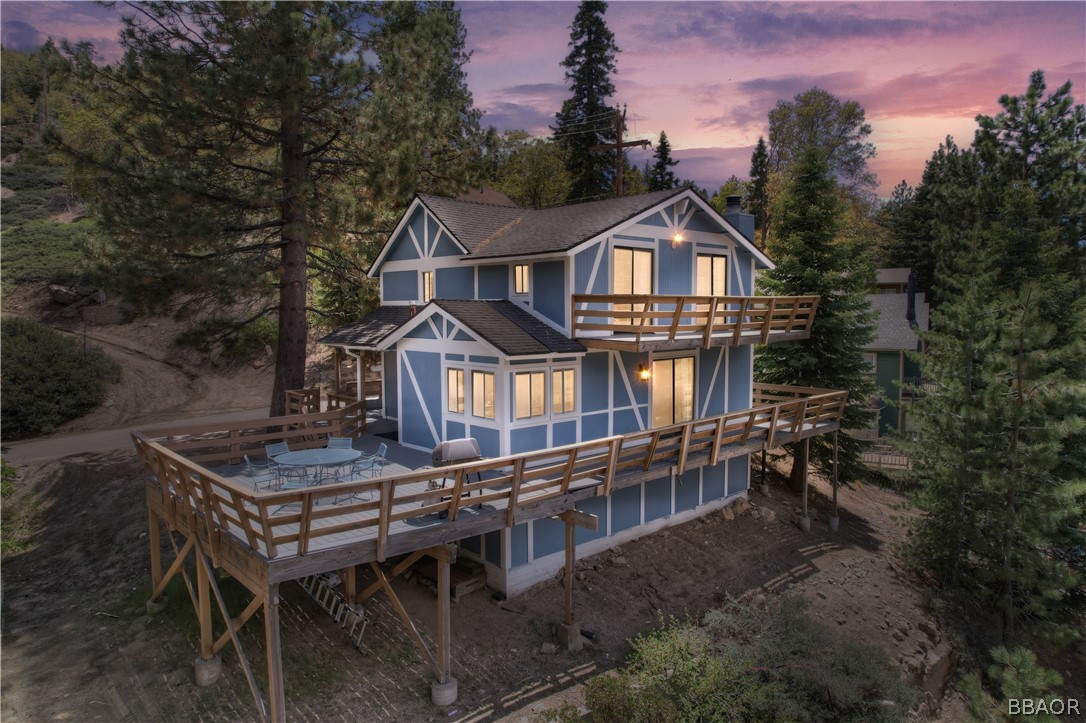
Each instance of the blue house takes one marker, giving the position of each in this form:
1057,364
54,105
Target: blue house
533,329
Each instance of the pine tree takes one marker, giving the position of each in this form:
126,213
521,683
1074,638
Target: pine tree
812,259
252,144
586,120
998,448
661,177
758,193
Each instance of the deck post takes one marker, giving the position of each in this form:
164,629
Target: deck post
765,482
208,666
444,690
276,698
156,548
835,521
805,520
350,586
569,632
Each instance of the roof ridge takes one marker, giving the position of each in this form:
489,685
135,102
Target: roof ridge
474,203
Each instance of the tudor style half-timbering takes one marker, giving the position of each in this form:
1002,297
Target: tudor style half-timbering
531,329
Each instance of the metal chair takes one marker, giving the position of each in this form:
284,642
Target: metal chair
289,477
366,466
265,475
340,443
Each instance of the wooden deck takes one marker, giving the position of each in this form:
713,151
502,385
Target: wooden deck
265,538
641,322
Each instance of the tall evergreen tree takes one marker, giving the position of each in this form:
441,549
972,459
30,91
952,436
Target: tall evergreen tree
252,144
586,120
813,259
998,447
758,193
661,177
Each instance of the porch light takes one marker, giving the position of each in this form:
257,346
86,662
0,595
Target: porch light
677,239
643,373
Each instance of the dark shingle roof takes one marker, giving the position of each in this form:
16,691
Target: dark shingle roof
370,329
893,331
509,328
489,231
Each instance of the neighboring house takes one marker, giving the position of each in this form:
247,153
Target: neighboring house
892,281
485,331
901,315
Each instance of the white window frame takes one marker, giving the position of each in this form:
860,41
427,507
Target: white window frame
527,279
652,388
494,375
427,285
576,397
448,391
530,373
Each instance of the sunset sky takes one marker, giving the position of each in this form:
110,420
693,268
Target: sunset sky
708,73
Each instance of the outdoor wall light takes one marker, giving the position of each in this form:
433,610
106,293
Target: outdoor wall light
676,239
643,373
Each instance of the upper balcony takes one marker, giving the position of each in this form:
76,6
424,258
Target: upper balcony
643,322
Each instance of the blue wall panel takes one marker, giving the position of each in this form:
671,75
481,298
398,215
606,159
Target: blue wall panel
494,547
712,482
518,538
446,246
427,369
549,295
489,443
402,248
631,362
657,498
625,508
701,222
739,380
455,430
548,536
593,506
483,359
655,219
391,396
528,439
456,283
564,433
424,331
454,357
494,282
594,426
594,381
400,286
626,422
707,360
687,490
675,266
738,474
740,264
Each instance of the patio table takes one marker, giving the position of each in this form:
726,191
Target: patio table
322,459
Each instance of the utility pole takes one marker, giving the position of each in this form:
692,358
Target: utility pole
620,124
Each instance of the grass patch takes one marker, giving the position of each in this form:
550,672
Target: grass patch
17,524
47,378
46,251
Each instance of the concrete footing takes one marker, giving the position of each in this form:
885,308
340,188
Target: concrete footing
156,606
764,489
444,693
835,522
208,671
569,636
805,524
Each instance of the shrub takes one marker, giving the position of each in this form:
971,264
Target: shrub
744,664
47,378
1013,674
46,251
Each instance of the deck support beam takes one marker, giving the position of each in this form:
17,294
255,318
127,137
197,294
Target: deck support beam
805,520
277,699
569,632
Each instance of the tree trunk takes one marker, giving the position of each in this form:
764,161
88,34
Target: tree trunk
799,467
293,324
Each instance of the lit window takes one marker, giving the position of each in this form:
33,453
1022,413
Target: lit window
712,272
456,390
427,286
672,391
530,395
520,279
633,275
563,384
482,394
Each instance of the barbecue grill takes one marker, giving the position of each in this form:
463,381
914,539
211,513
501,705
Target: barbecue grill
454,451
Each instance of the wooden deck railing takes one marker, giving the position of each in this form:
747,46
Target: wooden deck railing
210,443
289,524
640,322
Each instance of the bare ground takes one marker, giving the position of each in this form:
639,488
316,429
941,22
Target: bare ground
78,645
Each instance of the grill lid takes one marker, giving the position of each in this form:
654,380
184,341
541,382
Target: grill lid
455,450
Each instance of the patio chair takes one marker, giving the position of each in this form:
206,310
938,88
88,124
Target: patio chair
340,443
289,477
265,475
367,466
